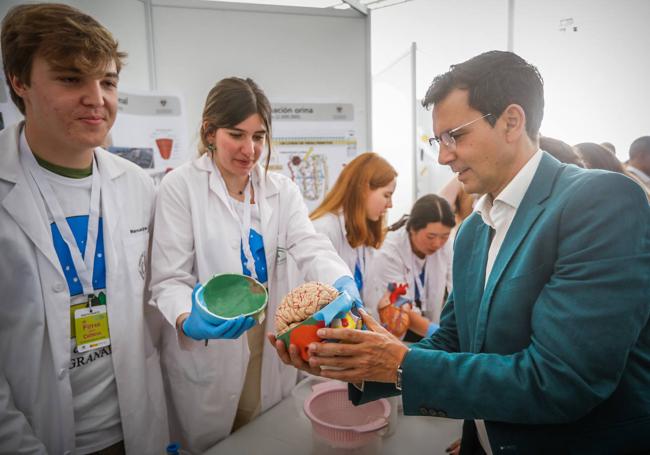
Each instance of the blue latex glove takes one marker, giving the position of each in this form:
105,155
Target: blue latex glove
431,329
197,326
346,283
337,308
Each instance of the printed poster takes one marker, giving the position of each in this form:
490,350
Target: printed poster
431,176
150,131
311,143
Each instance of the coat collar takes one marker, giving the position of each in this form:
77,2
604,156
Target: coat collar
11,169
265,185
532,206
267,188
29,212
26,210
111,213
108,166
405,250
9,140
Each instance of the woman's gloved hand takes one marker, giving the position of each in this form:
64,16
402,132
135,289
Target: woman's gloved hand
346,283
197,326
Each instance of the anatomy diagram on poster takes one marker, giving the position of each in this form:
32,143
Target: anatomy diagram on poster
149,131
311,144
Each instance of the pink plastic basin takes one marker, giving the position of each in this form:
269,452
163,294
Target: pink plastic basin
341,424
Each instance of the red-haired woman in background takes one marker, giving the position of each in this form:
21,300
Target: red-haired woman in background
352,213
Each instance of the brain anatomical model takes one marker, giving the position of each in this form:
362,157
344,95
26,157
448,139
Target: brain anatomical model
301,303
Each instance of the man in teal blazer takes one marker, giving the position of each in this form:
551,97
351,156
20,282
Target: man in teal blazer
544,343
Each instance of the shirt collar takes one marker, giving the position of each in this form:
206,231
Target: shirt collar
514,191
645,178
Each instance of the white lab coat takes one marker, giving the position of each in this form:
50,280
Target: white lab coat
393,262
333,226
197,236
36,410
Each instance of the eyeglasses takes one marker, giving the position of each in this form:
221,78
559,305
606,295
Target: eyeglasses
448,139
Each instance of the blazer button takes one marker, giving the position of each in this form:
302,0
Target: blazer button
433,412
424,411
442,414
58,287
62,373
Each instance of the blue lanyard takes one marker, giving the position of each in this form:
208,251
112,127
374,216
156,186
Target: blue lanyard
83,263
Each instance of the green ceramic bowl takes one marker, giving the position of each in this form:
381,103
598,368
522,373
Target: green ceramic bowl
230,295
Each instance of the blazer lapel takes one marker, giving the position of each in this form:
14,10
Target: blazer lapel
269,209
218,188
27,209
110,210
30,215
476,273
529,210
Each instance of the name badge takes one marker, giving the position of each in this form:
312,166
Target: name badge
91,328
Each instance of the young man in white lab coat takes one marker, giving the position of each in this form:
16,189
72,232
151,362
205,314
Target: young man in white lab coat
78,369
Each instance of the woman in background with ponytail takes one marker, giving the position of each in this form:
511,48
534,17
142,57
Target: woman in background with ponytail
416,252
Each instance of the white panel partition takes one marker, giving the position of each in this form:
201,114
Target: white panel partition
125,19
593,55
446,32
295,54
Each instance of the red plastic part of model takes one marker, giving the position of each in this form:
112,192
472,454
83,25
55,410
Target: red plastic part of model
397,290
302,335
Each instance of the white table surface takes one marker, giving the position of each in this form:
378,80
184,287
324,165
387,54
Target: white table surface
283,431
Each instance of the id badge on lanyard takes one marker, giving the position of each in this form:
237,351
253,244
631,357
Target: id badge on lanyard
420,284
360,266
83,264
91,327
245,224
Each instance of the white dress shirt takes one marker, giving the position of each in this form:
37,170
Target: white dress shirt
498,214
645,178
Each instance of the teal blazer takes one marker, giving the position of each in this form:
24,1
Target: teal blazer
554,352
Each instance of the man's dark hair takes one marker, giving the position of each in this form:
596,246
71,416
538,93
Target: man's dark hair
560,150
640,146
494,80
595,156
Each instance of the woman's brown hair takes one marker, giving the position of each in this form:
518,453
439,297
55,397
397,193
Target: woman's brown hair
595,156
62,35
230,102
365,173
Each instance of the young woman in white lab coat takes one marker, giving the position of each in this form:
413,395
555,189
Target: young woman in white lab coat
416,252
353,211
204,210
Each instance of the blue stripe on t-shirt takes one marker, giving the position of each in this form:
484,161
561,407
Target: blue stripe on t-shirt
79,227
256,243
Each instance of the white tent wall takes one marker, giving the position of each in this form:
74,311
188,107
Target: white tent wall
126,20
595,78
444,32
295,54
